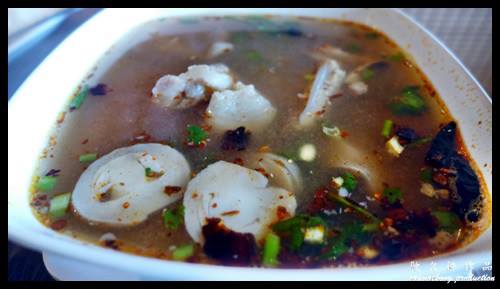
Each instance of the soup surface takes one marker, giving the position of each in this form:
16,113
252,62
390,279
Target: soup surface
382,173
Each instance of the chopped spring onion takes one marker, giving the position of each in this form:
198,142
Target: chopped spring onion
387,128
393,194
59,204
350,182
88,158
46,183
315,234
271,250
338,181
172,218
448,221
196,134
297,238
296,226
394,147
367,74
183,252
332,131
349,232
79,98
338,248
408,103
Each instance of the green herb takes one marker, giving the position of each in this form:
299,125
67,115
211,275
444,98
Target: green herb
396,57
254,56
343,201
172,218
196,134
448,221
337,248
295,227
297,238
315,221
386,130
288,224
408,103
271,250
87,158
354,231
372,35
78,100
367,74
59,205
420,141
393,194
426,175
183,252
350,182
148,172
46,183
353,48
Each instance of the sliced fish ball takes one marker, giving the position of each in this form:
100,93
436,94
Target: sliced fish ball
281,172
327,82
243,106
238,196
115,189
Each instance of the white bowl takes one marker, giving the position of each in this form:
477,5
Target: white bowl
33,109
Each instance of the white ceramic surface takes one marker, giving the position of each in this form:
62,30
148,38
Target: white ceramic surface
33,110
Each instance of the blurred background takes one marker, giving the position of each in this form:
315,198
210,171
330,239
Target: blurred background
34,32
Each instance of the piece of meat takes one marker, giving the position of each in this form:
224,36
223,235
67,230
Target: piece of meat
241,106
189,88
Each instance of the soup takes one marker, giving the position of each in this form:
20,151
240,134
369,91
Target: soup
260,141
